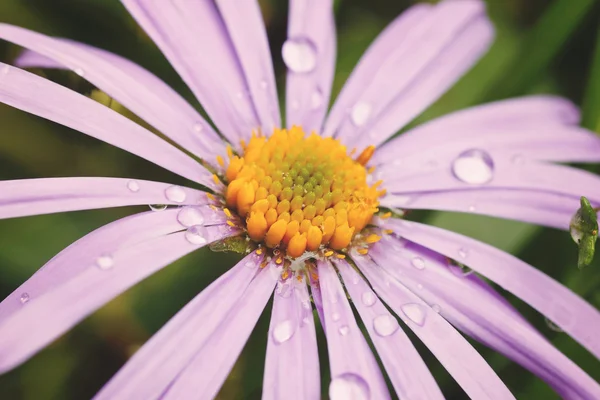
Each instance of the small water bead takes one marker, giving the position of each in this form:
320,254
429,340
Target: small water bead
415,312
349,386
461,270
316,99
474,166
368,298
299,55
198,127
472,208
554,327
305,321
133,186
344,330
518,159
283,331
24,298
385,325
197,234
190,216
175,194
105,262
263,84
335,317
436,308
418,263
419,286
158,207
360,113
463,253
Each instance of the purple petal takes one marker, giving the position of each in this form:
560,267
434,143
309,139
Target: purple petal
292,361
59,309
432,56
353,366
317,296
476,309
524,113
210,366
311,26
30,93
559,304
543,208
194,38
24,197
131,85
405,367
247,31
459,358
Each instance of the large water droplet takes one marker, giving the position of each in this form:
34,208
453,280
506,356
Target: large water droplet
190,216
175,194
283,331
344,330
133,186
368,298
385,325
418,263
105,262
553,326
415,312
316,99
360,113
196,234
24,298
474,166
349,386
299,55
335,316
158,207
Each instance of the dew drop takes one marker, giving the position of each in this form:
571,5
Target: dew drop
24,298
419,286
518,159
368,298
349,386
474,166
414,312
158,207
283,331
385,325
463,253
305,321
196,234
360,113
79,71
299,55
263,84
316,99
105,262
133,186
175,194
344,330
418,263
436,308
190,216
472,208
335,317
553,326
198,127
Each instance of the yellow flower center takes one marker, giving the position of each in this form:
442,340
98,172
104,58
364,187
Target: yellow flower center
301,193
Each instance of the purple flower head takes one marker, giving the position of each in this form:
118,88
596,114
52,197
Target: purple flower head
499,159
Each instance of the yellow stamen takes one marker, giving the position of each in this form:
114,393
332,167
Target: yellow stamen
373,238
363,251
366,155
221,161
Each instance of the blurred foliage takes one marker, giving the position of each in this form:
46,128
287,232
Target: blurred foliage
549,46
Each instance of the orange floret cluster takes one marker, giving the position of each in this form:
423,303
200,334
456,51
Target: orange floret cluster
301,193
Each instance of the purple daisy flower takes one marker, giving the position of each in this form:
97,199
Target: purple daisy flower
312,216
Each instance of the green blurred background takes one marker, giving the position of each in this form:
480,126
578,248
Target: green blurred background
542,46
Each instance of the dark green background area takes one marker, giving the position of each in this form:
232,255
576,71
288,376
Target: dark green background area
542,46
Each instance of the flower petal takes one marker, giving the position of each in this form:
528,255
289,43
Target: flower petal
432,56
461,360
353,366
218,354
194,38
292,361
247,31
558,303
39,96
131,85
24,197
311,23
405,367
476,309
60,309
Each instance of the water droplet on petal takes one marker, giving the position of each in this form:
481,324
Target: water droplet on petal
463,253
472,208
419,286
335,317
436,308
198,127
24,298
418,263
190,216
415,312
344,330
460,270
158,207
474,166
250,264
368,298
105,262
133,186
316,99
349,386
175,194
263,84
518,159
385,325
299,55
553,326
283,331
360,113
79,71
196,234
